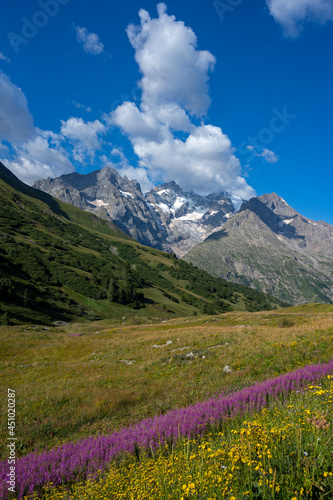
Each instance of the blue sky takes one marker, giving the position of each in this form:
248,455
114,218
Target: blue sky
233,95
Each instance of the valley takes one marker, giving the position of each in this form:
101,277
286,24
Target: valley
266,244
61,263
85,380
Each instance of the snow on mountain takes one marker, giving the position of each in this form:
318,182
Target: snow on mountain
167,217
187,216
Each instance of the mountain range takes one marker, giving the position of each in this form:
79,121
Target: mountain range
61,263
271,247
266,244
166,218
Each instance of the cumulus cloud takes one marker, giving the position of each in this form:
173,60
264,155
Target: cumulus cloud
83,136
16,122
39,158
269,156
30,153
120,162
164,136
135,123
292,14
173,70
204,162
90,41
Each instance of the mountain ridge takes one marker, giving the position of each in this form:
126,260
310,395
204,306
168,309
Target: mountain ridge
270,246
166,217
267,244
58,262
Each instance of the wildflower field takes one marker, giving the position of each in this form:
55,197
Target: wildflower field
145,411
283,452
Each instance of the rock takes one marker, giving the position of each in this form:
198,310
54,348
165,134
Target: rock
190,355
258,245
163,345
166,218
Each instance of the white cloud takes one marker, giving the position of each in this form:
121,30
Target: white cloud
292,14
124,168
90,41
84,136
204,162
175,86
139,174
37,159
173,70
135,123
33,153
4,58
269,156
16,122
82,106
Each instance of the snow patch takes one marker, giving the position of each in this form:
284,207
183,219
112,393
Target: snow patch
126,193
193,216
164,207
178,203
162,191
287,221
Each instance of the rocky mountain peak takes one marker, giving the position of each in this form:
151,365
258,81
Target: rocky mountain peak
167,217
278,205
271,247
168,186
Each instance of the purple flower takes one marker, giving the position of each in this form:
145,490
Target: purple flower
77,461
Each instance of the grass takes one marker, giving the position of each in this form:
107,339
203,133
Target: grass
94,378
58,262
283,452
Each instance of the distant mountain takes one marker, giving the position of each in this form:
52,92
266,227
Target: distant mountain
166,218
271,247
58,262
188,217
111,197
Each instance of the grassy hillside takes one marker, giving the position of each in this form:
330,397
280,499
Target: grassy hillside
82,380
61,263
250,250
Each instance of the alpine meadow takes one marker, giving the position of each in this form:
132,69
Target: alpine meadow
166,250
